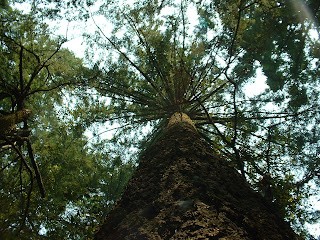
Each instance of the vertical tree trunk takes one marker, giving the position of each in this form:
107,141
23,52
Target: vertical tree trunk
183,190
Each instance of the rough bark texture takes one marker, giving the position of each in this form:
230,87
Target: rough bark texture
183,190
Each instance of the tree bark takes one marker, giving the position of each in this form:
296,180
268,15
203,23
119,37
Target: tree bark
8,121
183,190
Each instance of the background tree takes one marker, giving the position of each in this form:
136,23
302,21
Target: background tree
42,140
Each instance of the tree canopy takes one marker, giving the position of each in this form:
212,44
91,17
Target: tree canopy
162,57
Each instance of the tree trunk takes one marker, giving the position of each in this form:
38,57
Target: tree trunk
8,121
183,190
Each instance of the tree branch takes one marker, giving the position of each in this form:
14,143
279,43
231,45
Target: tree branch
147,47
31,182
21,69
235,33
35,168
38,68
113,44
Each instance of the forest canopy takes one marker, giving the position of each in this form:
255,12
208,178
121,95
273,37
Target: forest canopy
146,60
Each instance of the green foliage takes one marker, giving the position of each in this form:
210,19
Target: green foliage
4,4
80,182
81,185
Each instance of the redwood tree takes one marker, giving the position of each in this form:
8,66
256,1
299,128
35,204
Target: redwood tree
183,190
198,57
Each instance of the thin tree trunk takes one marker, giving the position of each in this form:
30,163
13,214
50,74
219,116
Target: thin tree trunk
183,190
